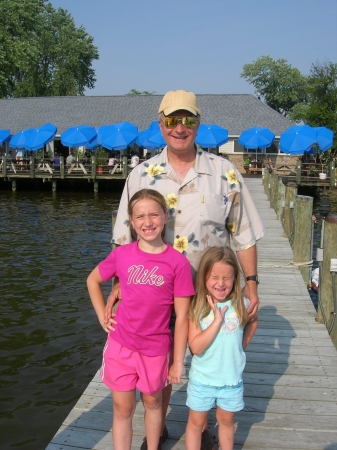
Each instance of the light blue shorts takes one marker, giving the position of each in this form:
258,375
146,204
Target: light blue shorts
201,397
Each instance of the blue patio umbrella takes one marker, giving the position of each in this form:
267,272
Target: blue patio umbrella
256,137
324,138
19,139
41,136
78,135
4,136
211,136
151,138
117,136
297,139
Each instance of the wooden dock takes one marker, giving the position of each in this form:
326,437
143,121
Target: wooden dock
290,377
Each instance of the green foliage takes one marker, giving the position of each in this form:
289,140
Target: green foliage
280,85
42,53
322,89
135,92
102,156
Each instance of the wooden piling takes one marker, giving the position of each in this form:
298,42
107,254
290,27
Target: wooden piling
32,167
54,185
288,224
95,186
14,185
281,192
62,168
303,236
273,190
326,286
4,166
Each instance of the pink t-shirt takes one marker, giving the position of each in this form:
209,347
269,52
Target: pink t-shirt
149,283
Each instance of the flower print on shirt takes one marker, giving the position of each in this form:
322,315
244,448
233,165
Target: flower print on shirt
232,178
153,171
230,325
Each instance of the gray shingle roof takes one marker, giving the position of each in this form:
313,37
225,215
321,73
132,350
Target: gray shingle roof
236,112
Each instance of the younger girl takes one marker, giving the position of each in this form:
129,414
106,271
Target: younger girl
218,334
154,279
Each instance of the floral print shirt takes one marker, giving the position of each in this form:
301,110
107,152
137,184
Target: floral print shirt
211,205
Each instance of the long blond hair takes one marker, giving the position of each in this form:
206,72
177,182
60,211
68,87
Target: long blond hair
199,307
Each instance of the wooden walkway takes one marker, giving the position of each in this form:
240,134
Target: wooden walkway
290,377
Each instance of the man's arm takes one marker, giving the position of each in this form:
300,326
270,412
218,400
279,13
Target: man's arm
248,262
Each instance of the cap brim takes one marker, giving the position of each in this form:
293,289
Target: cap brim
173,109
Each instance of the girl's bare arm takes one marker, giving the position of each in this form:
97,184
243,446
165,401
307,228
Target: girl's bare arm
199,340
181,307
249,331
94,282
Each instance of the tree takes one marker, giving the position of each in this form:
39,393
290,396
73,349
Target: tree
135,92
279,84
322,88
53,57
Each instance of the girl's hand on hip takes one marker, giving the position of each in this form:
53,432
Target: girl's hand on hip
109,325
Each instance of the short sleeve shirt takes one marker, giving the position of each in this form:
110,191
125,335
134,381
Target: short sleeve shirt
149,283
210,205
223,362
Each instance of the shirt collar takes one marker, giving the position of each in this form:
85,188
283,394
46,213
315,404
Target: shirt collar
202,161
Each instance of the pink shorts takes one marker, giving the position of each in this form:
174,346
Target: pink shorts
124,369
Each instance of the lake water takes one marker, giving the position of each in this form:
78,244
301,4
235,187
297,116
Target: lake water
51,342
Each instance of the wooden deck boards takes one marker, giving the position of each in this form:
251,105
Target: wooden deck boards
290,376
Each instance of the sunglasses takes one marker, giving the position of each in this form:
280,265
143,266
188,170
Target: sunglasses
187,122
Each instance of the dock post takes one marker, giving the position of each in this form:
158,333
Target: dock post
328,281
298,171
4,166
302,238
266,180
32,167
54,184
95,186
332,174
125,166
288,226
280,198
273,190
62,168
14,185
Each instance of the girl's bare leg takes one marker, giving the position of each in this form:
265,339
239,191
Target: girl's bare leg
124,408
195,426
153,419
226,428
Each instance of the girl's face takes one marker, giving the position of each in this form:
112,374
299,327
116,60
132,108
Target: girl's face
148,220
220,281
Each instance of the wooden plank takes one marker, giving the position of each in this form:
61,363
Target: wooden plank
290,376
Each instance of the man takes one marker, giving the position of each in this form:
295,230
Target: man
208,204
70,159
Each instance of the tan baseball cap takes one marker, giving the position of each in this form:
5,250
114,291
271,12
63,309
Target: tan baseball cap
175,100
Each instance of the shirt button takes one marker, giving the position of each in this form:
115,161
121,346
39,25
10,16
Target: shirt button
179,211
177,237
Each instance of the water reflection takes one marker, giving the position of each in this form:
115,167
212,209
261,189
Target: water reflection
51,342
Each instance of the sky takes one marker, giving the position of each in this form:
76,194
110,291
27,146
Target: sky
200,45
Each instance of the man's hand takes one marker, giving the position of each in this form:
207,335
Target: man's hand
114,297
254,300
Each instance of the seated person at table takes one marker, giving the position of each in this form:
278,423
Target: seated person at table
57,161
134,160
70,159
112,159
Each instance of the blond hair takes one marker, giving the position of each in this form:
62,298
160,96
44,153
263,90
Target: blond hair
199,307
143,194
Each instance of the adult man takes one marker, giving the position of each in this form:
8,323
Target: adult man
207,198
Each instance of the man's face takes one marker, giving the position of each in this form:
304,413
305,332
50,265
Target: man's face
180,139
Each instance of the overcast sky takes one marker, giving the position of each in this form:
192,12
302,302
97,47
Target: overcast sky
200,45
